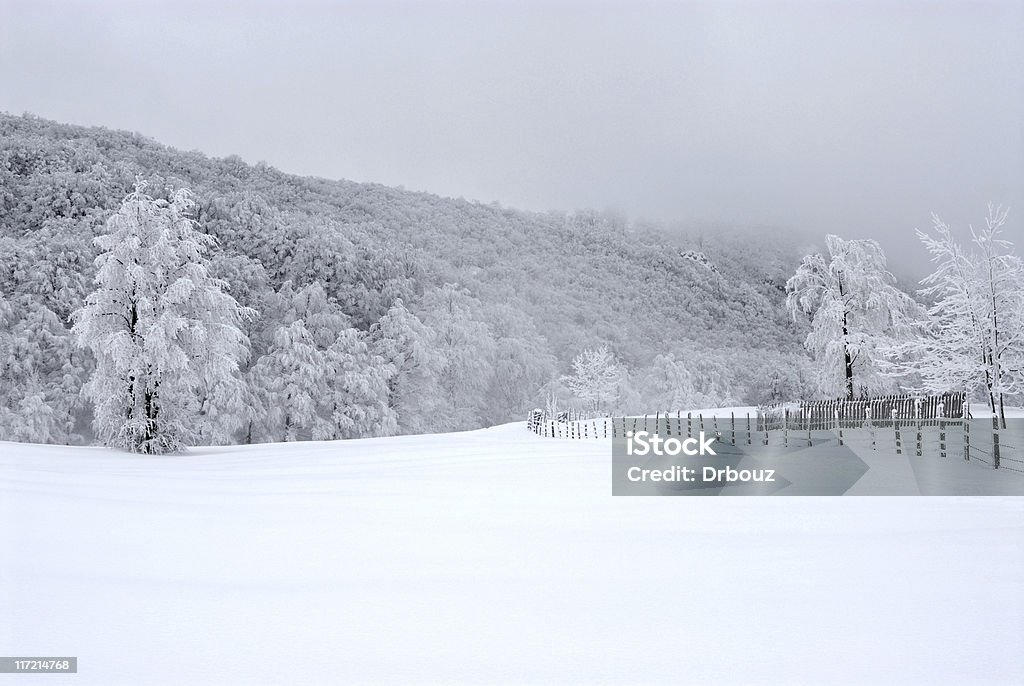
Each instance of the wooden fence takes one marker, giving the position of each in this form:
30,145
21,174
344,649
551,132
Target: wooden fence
980,440
905,407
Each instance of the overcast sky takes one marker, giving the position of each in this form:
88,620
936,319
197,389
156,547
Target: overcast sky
854,118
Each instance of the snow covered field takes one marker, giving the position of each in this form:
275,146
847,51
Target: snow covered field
491,556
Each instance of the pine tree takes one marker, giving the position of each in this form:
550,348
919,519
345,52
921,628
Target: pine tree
159,326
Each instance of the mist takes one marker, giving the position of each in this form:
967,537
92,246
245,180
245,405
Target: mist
858,119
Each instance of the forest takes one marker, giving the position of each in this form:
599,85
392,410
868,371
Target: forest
264,306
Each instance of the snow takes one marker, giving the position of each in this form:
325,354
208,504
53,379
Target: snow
981,410
491,556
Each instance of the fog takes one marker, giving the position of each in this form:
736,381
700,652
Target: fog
858,119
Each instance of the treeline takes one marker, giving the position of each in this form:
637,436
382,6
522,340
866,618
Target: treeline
452,314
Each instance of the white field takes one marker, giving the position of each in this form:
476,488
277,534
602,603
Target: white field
491,556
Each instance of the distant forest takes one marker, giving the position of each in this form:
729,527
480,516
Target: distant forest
417,313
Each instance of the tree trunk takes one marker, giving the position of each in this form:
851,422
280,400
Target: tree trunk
847,358
151,408
849,374
150,432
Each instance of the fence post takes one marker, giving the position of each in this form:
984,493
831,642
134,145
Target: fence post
995,442
896,427
919,435
785,428
748,429
967,439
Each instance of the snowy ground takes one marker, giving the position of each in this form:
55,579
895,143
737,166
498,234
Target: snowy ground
491,556
981,410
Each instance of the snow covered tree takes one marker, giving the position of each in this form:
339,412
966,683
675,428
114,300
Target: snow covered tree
973,338
407,344
226,409
248,283
522,366
290,381
53,266
40,374
690,380
854,309
356,402
464,342
159,326
306,391
774,378
596,377
1002,289
320,314
554,395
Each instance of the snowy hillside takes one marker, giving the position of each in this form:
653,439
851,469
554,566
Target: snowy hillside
490,556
